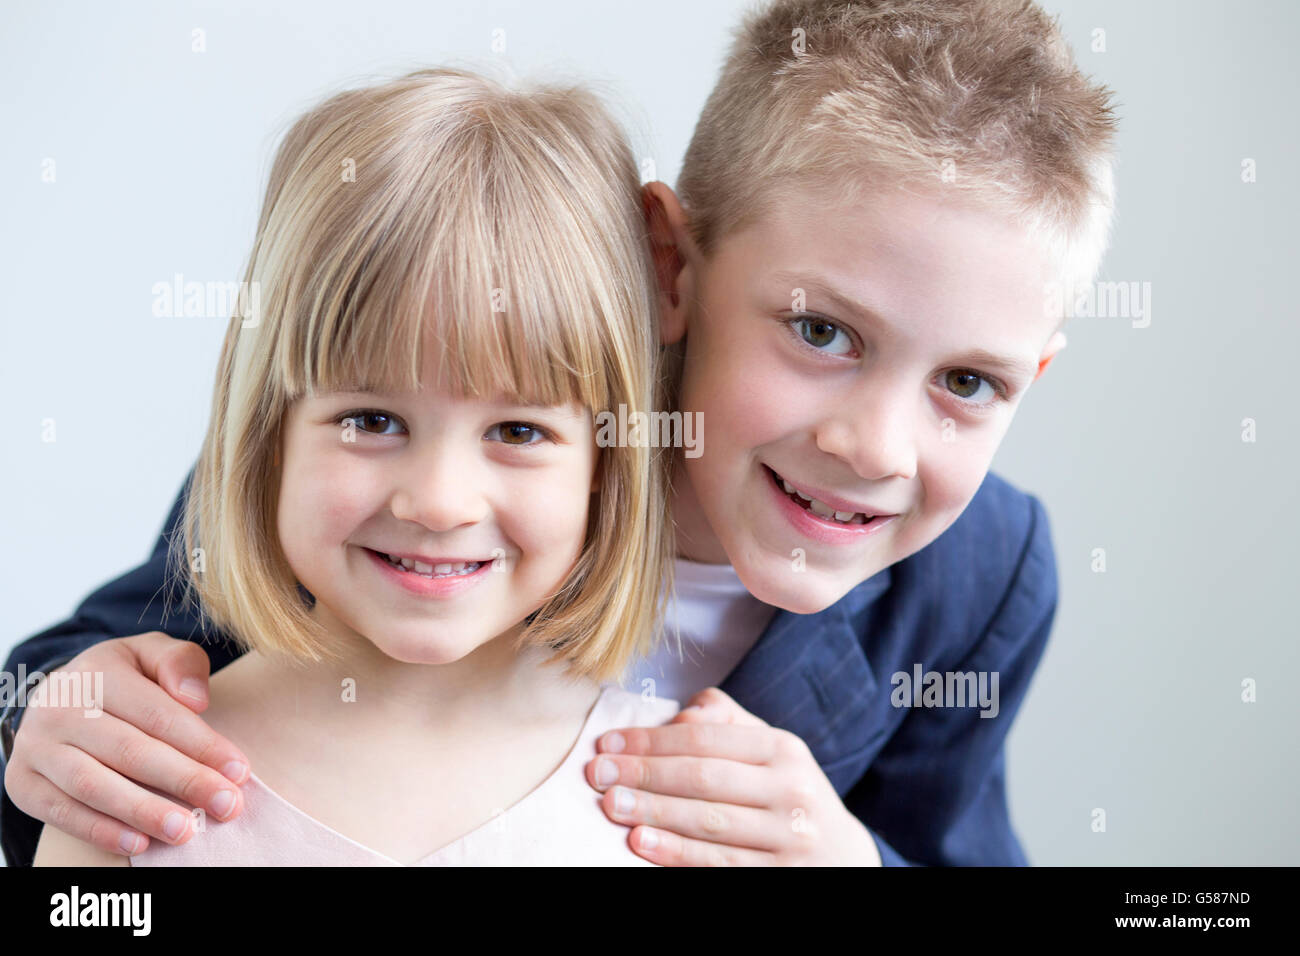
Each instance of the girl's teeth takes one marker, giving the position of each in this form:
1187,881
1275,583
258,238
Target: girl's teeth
844,515
433,570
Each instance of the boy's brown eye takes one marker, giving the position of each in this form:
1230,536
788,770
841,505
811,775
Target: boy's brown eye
821,334
965,383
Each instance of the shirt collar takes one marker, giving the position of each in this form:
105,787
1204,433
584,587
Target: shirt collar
809,674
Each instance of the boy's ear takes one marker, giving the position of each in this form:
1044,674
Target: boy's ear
674,255
1054,345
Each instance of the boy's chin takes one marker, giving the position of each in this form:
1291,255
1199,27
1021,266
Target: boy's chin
806,591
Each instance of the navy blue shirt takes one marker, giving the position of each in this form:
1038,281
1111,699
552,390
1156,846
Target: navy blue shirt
929,782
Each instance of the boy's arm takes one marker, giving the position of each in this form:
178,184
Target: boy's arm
135,603
936,794
56,848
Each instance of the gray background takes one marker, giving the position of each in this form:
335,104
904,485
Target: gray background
1133,439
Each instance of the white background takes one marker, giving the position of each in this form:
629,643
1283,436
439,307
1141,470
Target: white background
1132,439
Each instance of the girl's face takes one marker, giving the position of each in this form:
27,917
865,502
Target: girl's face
485,503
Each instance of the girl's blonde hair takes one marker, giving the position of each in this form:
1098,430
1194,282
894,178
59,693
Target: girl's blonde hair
501,227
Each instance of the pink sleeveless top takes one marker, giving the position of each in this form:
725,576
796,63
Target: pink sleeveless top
558,823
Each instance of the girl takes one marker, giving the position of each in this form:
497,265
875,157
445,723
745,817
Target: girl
401,509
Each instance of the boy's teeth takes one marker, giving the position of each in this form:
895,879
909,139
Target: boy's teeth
422,568
821,508
817,508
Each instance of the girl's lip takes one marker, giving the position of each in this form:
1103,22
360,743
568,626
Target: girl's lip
824,530
441,587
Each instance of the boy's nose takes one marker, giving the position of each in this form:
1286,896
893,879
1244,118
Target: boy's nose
441,490
876,440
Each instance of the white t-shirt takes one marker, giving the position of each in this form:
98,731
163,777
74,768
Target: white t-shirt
719,621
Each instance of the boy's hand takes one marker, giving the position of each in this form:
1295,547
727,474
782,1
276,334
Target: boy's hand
720,787
75,771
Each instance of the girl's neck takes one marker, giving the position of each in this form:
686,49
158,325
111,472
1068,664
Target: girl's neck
491,687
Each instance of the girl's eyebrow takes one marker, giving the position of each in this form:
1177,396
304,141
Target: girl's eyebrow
502,401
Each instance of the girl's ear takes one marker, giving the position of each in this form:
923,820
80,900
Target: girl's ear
675,257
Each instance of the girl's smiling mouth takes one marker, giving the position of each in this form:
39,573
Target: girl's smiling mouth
444,578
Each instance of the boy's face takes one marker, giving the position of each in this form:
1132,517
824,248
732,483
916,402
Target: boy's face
870,396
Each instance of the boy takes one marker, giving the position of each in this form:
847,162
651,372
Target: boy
876,203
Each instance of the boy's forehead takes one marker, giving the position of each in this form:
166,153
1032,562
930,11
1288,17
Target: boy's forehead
902,261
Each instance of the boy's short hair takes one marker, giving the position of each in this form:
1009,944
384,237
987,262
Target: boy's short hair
500,229
978,96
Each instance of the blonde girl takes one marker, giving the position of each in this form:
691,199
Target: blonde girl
401,511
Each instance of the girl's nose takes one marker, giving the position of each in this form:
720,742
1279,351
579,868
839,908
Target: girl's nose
441,490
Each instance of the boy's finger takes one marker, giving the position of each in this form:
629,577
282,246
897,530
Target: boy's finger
142,759
86,781
78,820
143,704
751,745
180,667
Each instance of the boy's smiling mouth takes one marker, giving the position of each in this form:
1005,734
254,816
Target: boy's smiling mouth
822,509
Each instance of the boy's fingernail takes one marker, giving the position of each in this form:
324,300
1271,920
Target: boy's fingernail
192,688
606,773
649,839
624,802
223,803
130,842
174,825
614,743
234,771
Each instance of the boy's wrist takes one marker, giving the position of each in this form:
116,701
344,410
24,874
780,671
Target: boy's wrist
12,714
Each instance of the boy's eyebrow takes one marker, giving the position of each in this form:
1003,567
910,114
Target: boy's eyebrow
978,356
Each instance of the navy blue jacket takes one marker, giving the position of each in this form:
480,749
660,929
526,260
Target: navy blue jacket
928,782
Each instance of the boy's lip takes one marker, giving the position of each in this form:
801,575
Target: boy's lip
836,502
812,526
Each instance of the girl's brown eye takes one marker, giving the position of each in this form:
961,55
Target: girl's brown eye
372,422
517,433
